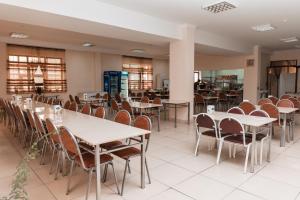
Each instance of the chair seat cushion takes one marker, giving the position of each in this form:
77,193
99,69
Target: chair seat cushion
210,133
238,139
127,153
259,136
89,159
111,145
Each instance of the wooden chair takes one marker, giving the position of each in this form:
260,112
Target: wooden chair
126,106
285,103
100,112
247,107
86,109
85,160
273,99
142,122
114,106
264,101
235,135
198,103
236,110
207,127
67,105
285,96
73,106
71,98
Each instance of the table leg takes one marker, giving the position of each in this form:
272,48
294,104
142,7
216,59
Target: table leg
253,150
175,116
158,120
283,131
143,162
189,112
98,172
270,142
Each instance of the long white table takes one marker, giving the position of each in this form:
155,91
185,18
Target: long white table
248,120
284,112
94,131
177,104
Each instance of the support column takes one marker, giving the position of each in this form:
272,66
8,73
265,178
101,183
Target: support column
252,77
182,53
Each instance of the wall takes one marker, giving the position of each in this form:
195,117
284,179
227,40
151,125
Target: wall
3,71
160,72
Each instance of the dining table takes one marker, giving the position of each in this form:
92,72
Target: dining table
92,130
252,121
169,103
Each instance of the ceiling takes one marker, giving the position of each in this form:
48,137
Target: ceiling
236,23
74,40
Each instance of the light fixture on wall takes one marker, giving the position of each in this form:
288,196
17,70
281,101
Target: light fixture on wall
290,39
87,44
263,28
18,35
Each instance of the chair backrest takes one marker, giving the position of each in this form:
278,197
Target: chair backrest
31,120
52,129
71,98
105,97
98,95
123,117
145,99
67,105
126,106
77,100
259,113
247,107
157,100
70,145
40,98
271,109
21,116
39,124
273,99
86,109
45,100
114,105
118,98
73,106
198,98
100,112
232,126
50,101
285,103
285,96
204,120
35,98
264,101
295,102
143,122
56,102
236,110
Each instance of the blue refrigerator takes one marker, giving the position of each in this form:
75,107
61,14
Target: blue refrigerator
116,82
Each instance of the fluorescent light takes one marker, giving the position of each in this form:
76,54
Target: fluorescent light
18,35
290,39
137,50
219,6
263,27
87,44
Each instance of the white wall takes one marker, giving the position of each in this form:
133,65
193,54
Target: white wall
160,72
3,71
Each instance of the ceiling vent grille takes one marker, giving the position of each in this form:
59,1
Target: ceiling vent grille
219,7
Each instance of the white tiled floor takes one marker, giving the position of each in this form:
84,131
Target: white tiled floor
175,172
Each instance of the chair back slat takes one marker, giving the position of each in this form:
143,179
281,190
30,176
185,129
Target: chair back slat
285,103
123,117
271,109
100,112
86,109
264,101
247,107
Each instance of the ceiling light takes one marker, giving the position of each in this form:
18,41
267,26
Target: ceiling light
263,27
219,6
18,35
290,39
137,50
87,44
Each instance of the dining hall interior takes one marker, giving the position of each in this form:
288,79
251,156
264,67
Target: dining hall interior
149,100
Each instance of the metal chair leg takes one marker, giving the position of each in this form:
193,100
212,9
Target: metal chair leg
124,176
115,177
197,145
52,160
57,164
220,150
104,173
69,179
246,159
147,171
89,184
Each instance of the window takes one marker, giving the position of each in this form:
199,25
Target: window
197,76
23,63
140,72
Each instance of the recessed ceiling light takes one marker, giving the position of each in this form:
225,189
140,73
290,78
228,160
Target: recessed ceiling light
87,44
137,50
263,27
18,35
219,6
290,39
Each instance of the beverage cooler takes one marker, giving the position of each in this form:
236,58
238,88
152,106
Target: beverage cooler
116,82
